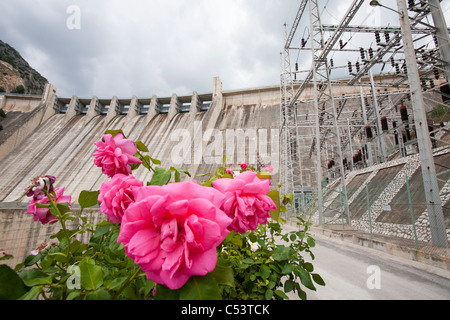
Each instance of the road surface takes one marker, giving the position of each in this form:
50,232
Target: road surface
353,272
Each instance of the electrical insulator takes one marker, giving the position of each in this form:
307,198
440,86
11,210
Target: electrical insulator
384,124
363,54
296,66
357,66
350,69
303,42
392,62
370,53
404,113
436,73
432,85
341,44
408,134
424,84
377,36
387,37
369,133
397,68
332,62
435,39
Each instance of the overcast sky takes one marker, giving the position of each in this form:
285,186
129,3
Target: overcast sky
146,47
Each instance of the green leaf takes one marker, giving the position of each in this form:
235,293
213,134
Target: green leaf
305,279
265,272
281,253
164,293
141,147
275,196
201,288
281,294
91,276
269,294
288,198
100,294
288,286
287,268
88,198
73,295
311,242
318,279
11,285
117,282
32,259
35,277
263,175
160,177
32,294
114,132
101,230
223,276
155,161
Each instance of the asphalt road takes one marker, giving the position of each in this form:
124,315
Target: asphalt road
352,272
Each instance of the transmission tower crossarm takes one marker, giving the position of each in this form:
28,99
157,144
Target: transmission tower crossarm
356,5
295,24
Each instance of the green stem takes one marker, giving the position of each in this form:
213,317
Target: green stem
127,283
148,163
62,221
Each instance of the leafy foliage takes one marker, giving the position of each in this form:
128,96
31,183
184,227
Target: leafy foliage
264,264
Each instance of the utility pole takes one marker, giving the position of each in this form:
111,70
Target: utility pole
441,35
431,188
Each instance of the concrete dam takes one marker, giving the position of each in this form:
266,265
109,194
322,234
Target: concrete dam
52,135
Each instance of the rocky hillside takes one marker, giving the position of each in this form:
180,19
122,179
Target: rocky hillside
16,75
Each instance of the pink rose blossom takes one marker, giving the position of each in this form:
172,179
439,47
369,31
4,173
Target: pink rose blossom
229,171
243,165
43,214
116,195
246,200
115,154
172,231
269,168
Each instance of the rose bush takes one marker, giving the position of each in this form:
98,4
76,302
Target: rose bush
164,239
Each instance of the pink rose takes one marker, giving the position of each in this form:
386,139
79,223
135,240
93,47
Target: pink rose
269,168
172,231
116,195
43,214
246,200
115,154
243,165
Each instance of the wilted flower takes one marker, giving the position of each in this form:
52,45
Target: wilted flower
43,214
39,186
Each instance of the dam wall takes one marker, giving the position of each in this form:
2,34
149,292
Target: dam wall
193,133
